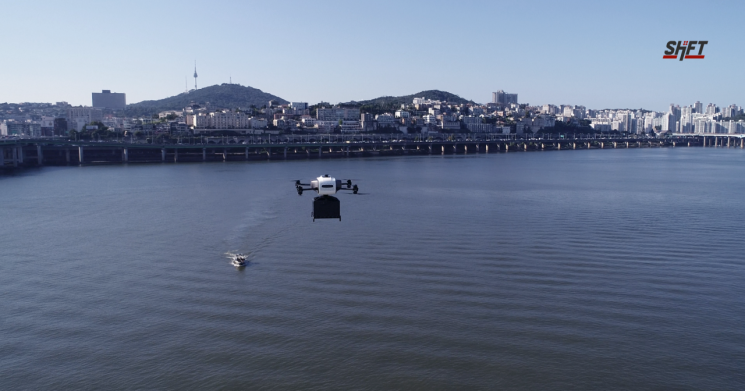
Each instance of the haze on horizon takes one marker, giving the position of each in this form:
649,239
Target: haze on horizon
601,55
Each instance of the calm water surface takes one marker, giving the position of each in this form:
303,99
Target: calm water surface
612,269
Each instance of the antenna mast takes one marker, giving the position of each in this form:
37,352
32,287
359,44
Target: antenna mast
195,74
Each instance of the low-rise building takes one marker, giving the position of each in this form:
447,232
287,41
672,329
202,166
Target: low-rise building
450,125
385,120
350,126
336,114
481,128
78,117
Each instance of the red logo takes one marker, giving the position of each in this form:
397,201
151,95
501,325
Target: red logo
684,50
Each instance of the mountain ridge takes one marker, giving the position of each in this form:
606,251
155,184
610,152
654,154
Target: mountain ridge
219,95
235,95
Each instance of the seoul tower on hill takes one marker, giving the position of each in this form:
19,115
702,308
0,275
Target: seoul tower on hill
195,74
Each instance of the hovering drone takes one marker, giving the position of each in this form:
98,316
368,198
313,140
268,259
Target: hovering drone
326,206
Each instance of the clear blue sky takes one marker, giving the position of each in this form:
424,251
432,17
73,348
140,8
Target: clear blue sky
598,54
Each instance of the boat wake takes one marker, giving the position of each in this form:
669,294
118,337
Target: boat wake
237,259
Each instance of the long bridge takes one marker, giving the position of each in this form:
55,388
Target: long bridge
56,152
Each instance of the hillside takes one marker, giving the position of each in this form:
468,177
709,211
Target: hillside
224,95
391,103
429,94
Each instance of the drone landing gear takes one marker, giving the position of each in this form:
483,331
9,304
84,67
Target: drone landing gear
326,207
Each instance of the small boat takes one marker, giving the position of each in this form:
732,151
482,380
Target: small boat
239,260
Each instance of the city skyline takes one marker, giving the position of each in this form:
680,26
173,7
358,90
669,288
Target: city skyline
581,53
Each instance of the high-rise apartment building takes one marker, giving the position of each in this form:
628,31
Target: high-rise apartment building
698,107
501,97
108,100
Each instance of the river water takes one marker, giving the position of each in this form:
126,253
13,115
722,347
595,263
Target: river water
601,269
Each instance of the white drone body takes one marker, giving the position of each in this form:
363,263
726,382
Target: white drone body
326,186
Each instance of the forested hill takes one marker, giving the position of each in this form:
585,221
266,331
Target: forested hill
223,95
390,103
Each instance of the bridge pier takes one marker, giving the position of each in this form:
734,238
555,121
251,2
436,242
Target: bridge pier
224,154
175,155
247,153
285,153
320,152
728,141
39,156
67,155
125,155
430,149
2,157
742,142
80,155
163,155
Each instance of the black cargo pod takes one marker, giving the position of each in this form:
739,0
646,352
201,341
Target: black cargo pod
326,207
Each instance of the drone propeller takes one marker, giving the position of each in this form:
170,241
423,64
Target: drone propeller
354,189
348,182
